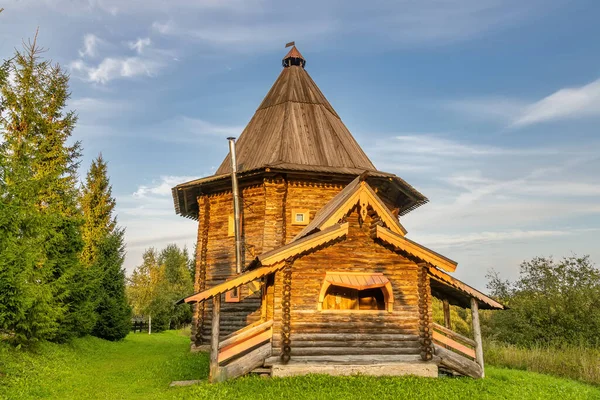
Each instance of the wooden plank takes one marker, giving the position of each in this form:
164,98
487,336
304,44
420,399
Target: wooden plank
453,335
214,340
415,249
335,351
477,334
354,336
246,363
304,244
441,339
456,362
444,278
356,343
240,347
243,334
228,285
347,359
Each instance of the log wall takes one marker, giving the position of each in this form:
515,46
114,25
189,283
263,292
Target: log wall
317,333
218,256
266,225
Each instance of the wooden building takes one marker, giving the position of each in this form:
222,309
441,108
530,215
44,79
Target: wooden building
330,283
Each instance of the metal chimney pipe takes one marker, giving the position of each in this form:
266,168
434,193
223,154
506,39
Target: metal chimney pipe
236,207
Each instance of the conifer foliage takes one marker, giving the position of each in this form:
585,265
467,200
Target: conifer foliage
40,220
61,253
103,254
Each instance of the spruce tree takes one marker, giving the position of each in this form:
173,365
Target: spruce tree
40,225
103,253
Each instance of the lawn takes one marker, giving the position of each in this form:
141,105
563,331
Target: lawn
142,366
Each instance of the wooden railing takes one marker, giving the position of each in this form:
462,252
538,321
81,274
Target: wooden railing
246,338
451,340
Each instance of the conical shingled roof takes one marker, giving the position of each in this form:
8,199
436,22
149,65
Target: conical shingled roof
295,127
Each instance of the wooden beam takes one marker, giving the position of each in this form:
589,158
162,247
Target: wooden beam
447,279
245,333
240,347
457,363
232,283
446,306
307,243
214,375
477,335
454,335
438,338
417,250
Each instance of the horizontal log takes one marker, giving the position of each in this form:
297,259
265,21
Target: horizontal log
349,329
457,363
359,325
354,343
245,333
333,351
247,363
375,336
346,359
444,340
240,347
453,335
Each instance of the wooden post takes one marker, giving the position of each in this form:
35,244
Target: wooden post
214,339
446,306
477,335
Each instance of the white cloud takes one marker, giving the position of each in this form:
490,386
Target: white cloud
567,103
90,45
150,220
140,44
477,238
431,144
487,108
112,68
162,187
183,129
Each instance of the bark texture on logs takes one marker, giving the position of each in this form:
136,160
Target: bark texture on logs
425,314
286,349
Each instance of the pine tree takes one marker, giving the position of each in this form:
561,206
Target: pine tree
41,221
103,253
114,313
98,206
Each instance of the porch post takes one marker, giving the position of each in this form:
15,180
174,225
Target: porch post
214,339
446,306
477,335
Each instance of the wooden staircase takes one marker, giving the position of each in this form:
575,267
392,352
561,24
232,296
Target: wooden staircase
244,351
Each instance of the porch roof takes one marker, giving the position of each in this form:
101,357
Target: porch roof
459,293
271,262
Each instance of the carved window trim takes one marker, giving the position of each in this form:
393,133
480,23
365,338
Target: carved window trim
361,281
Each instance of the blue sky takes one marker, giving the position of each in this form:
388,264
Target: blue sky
490,108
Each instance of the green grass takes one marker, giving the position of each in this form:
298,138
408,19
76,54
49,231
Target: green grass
142,366
578,363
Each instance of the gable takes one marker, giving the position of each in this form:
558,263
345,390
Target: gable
359,194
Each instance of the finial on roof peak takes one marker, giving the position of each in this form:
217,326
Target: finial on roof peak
293,57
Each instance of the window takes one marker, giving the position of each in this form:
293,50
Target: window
356,291
341,298
300,217
233,296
